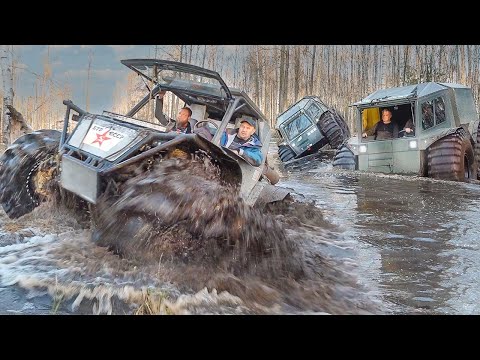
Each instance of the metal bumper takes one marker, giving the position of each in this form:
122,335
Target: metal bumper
79,178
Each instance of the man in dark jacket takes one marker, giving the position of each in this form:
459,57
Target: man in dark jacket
385,128
244,142
182,125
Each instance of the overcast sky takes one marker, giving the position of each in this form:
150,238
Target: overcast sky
70,64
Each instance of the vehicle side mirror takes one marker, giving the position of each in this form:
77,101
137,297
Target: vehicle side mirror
159,112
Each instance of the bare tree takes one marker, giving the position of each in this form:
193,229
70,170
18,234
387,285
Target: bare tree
204,55
296,72
312,69
281,83
7,78
87,95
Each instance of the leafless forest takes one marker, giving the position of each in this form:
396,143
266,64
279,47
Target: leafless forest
275,76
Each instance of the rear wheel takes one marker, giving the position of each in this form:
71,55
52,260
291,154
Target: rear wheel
344,158
334,128
452,158
285,153
27,166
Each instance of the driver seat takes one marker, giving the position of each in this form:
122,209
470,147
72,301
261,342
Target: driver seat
198,113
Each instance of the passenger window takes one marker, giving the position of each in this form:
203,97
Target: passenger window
433,113
313,110
427,115
439,111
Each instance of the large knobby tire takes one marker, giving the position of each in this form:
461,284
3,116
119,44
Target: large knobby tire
20,166
452,158
334,128
285,153
344,158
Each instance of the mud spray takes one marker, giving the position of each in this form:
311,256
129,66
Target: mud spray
179,241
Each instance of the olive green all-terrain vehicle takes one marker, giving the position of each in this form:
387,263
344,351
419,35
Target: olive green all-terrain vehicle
109,156
444,140
308,126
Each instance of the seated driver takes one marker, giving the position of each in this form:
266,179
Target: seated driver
244,142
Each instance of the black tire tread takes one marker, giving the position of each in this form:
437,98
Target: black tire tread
446,158
344,159
334,128
285,153
17,163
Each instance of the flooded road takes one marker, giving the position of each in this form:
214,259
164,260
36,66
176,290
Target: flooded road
417,238
368,244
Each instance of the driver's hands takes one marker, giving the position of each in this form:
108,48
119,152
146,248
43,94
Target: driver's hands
161,94
364,135
408,130
236,152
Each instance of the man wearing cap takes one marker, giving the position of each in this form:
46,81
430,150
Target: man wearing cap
244,142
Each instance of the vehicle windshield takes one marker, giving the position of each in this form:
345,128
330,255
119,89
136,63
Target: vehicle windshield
297,125
183,80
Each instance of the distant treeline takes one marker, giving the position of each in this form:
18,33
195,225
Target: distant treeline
276,76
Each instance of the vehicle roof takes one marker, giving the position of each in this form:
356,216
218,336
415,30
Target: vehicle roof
406,92
209,95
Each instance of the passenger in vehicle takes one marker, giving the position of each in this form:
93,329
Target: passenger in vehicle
184,118
385,128
244,142
182,125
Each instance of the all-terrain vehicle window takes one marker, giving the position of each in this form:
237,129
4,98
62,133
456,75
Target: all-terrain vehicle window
298,125
427,115
439,110
314,109
433,112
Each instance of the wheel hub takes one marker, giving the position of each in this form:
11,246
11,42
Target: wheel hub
41,177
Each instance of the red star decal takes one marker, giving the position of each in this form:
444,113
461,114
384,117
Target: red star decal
101,138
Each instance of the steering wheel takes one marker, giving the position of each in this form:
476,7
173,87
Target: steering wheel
196,126
205,131
403,133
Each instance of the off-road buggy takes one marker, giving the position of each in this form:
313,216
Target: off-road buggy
442,146
307,126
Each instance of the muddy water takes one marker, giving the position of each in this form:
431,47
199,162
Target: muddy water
366,244
282,259
47,268
416,238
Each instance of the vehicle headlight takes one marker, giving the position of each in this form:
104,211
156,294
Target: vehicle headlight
363,148
412,144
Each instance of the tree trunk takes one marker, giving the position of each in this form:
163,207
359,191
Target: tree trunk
87,95
405,63
296,72
18,125
312,69
285,88
256,73
7,94
281,83
204,55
